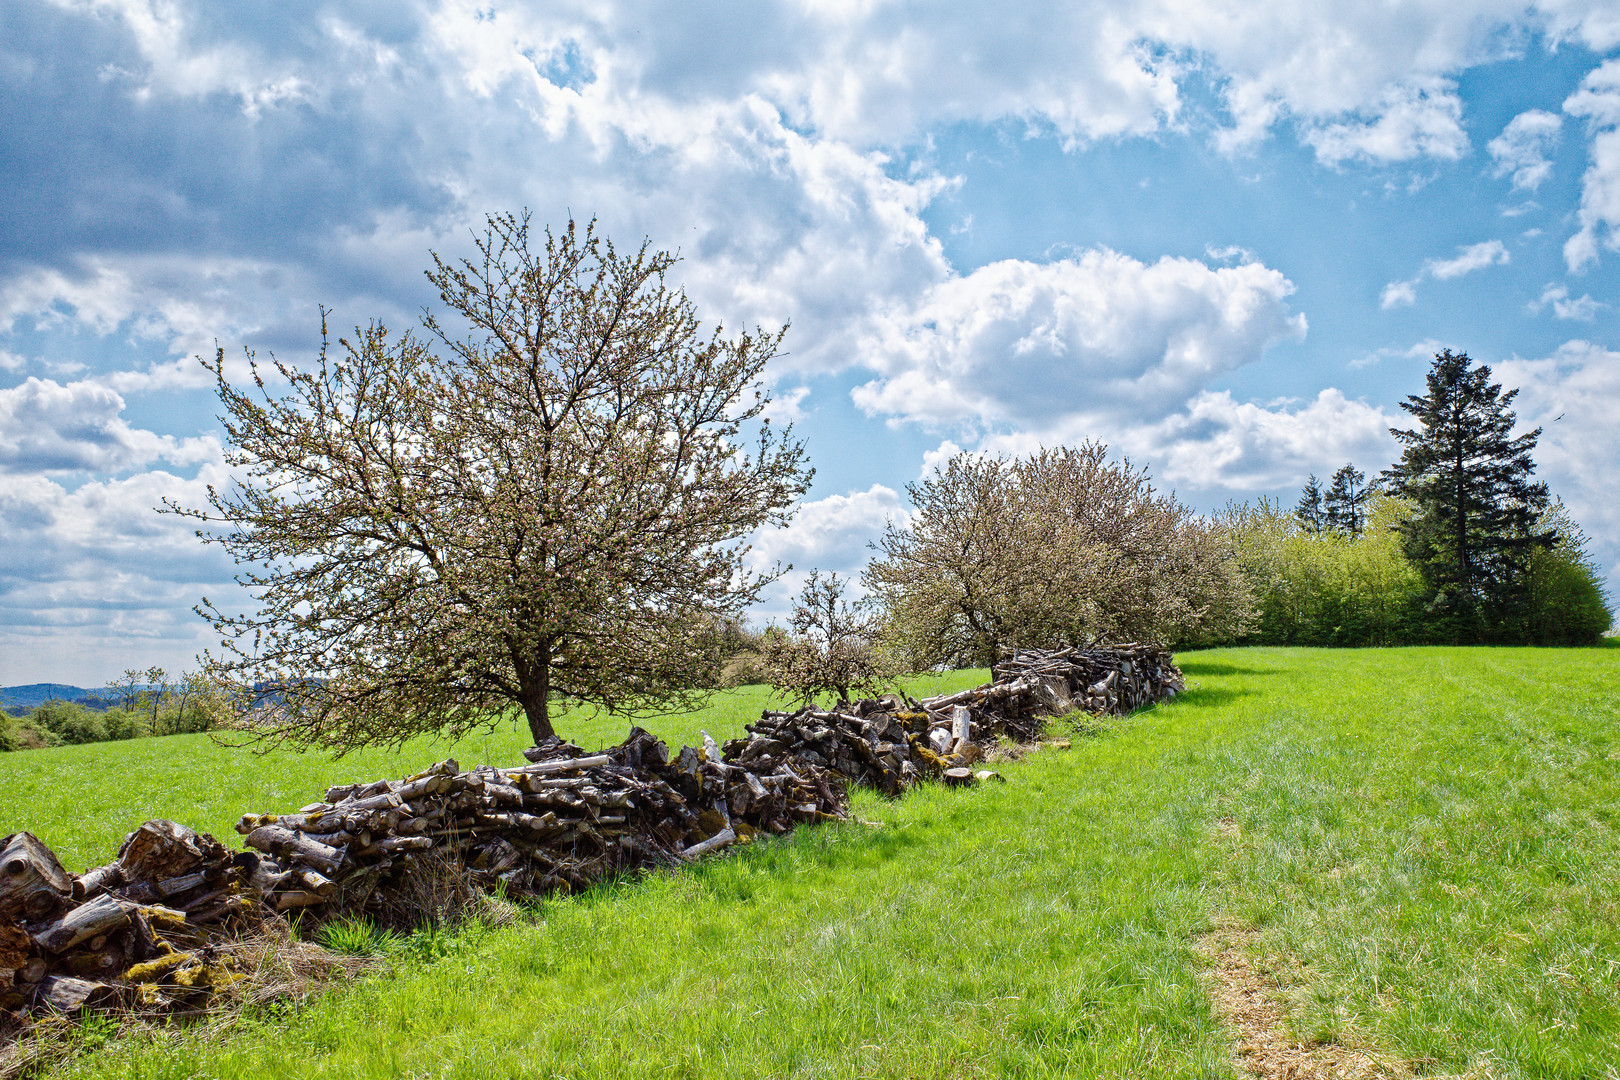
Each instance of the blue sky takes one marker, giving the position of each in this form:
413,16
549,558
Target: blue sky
1223,238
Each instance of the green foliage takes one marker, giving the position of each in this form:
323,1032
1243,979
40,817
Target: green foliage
1329,587
1564,601
122,724
71,723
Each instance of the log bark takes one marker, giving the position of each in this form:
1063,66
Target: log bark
32,882
63,993
274,840
103,915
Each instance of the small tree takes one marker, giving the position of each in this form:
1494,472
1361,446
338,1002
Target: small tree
830,647
1344,507
546,504
126,689
1060,548
1475,526
1309,511
153,696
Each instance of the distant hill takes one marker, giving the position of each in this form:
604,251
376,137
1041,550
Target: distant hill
16,698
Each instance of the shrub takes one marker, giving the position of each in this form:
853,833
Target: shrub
121,724
1330,588
70,722
1564,601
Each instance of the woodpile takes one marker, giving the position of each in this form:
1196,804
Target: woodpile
151,930
561,821
890,743
139,932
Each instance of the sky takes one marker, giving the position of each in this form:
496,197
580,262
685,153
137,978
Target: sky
1224,238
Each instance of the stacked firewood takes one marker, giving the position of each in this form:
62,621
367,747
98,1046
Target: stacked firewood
889,743
137,932
1116,679
152,928
561,821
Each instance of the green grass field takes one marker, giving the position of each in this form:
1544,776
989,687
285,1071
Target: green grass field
1424,842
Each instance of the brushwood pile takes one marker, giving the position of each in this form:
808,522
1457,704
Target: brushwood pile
151,930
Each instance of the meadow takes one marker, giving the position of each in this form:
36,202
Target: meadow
1417,847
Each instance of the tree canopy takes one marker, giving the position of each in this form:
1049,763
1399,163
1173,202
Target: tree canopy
1061,547
541,499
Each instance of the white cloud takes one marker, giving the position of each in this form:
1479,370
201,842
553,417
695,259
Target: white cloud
1398,294
1574,396
1598,100
1471,258
830,534
1031,344
1584,308
1468,259
1408,122
93,580
1218,442
1521,150
47,427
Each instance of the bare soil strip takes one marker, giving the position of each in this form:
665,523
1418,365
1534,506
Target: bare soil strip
1247,1001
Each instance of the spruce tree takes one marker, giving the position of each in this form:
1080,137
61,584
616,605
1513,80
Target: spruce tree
1475,528
1344,507
1309,512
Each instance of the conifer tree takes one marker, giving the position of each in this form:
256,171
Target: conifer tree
1475,529
1309,511
1344,507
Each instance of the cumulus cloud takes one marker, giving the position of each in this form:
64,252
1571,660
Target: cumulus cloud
1582,308
47,427
1598,100
1219,442
1468,259
1408,122
830,534
1030,344
1573,396
1521,150
93,580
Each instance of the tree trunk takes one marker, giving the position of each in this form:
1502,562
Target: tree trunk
536,698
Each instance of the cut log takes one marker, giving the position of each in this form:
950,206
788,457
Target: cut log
274,840
65,994
103,915
92,883
32,881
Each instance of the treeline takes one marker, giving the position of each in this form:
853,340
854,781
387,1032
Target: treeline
1339,587
148,703
1453,544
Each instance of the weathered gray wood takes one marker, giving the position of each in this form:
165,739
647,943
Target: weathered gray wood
32,881
63,993
103,915
719,840
274,840
561,765
92,883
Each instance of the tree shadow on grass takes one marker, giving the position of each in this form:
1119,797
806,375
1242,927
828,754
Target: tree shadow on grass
1193,666
1205,697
